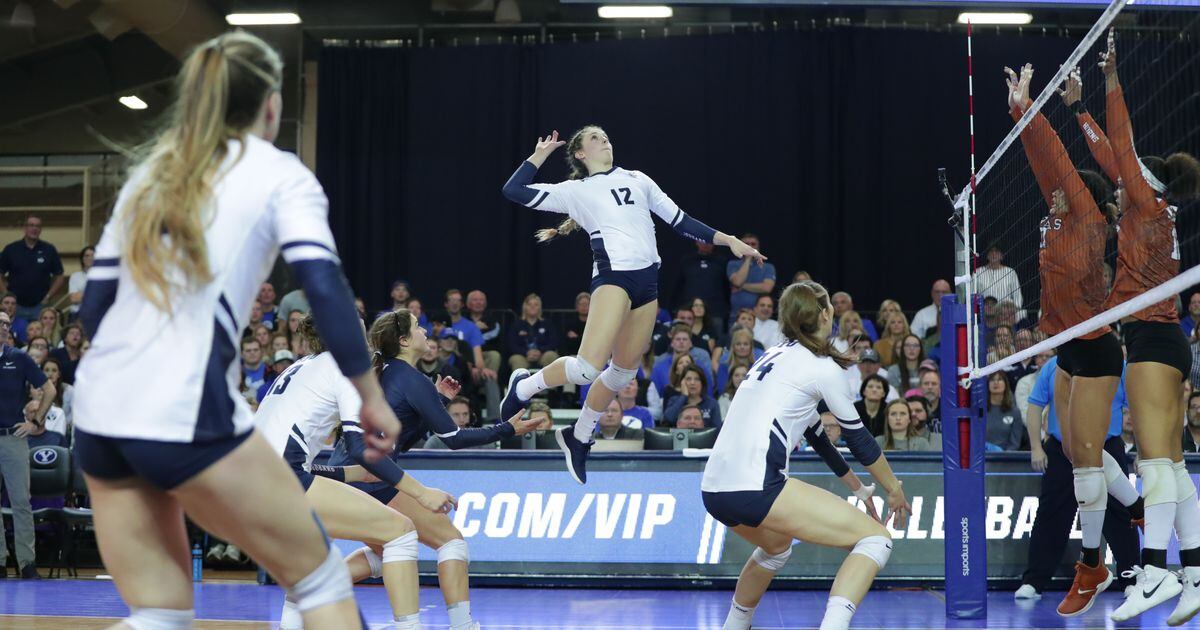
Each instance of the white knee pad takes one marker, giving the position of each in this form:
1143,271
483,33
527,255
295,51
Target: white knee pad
581,372
1112,470
1091,489
1158,481
454,550
373,561
877,548
327,584
616,378
1184,488
401,549
159,619
771,562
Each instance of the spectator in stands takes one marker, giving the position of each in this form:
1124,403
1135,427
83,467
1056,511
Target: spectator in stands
266,304
1002,344
801,276
489,327
745,319
918,410
702,276
400,294
843,303
901,433
702,326
661,339
674,386
927,317
868,366
895,329
255,315
263,335
460,411
65,398
51,326
293,328
430,364
539,409
414,306
612,427
872,394
1191,431
694,391
55,430
8,304
574,328
1194,346
254,368
453,364
1127,437
280,361
1022,340
833,430
279,341
1005,426
886,309
848,323
766,329
991,312
532,340
736,376
78,281
742,353
748,281
681,343
14,448
1025,385
691,417
70,353
483,369
31,269
997,281
293,301
931,389
38,348
635,415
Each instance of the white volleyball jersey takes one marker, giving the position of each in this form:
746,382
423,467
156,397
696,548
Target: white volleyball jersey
770,412
614,208
305,404
174,376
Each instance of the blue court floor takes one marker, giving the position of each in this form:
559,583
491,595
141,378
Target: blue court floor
93,603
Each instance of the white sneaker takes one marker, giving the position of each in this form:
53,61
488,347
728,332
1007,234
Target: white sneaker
215,553
1027,592
232,554
290,618
1153,587
1189,603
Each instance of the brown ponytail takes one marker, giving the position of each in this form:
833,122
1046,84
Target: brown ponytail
309,335
219,92
800,309
578,171
385,336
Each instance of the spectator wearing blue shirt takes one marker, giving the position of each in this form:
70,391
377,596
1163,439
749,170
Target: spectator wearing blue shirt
532,340
748,281
401,293
681,343
266,305
694,392
8,304
17,372
703,275
414,306
1057,507
31,269
488,325
254,369
483,373
634,413
1193,315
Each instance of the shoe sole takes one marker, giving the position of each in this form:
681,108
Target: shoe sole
1103,586
1158,600
1184,620
562,445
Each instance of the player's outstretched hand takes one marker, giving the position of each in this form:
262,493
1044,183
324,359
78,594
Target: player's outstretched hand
1108,58
546,146
1072,88
1018,87
899,507
865,493
448,387
437,501
521,427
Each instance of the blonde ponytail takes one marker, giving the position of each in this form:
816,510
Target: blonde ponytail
564,228
220,90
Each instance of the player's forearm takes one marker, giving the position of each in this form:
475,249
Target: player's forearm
1033,425
881,470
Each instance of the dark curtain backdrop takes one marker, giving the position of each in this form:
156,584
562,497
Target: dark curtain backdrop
824,143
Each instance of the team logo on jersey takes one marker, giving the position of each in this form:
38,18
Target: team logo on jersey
45,456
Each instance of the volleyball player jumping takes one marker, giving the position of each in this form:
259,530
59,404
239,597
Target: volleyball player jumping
746,485
614,206
194,232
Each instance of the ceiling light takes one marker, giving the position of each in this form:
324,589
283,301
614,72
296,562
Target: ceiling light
995,18
261,19
133,102
643,12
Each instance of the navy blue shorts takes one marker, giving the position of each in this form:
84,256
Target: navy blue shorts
640,285
166,465
746,507
382,492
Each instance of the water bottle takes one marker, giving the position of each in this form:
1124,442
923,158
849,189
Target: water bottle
197,563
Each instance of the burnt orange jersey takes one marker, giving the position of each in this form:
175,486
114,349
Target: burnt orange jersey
1099,146
1072,241
1147,245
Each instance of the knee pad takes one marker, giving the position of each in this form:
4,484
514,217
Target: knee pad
1184,488
1112,470
454,550
1091,489
401,549
616,378
771,562
373,561
1158,481
159,619
581,372
877,548
327,584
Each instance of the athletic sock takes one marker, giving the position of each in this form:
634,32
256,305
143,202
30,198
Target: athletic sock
1187,517
460,614
530,387
407,622
739,617
838,612
585,426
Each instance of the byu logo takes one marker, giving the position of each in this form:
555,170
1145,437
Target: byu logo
45,456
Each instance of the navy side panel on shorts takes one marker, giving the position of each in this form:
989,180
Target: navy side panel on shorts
166,465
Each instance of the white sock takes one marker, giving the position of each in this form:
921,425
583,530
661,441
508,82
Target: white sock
1160,520
739,617
407,622
1092,524
1118,484
838,612
1187,510
530,387
290,618
585,426
460,614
